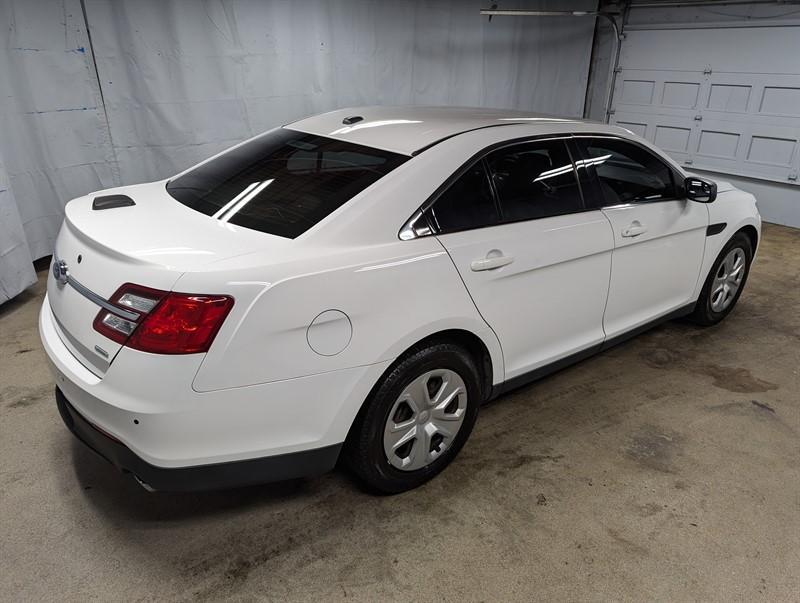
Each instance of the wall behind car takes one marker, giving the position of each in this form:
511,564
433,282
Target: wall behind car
54,140
151,86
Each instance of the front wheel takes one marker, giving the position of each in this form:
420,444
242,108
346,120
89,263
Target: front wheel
725,282
417,419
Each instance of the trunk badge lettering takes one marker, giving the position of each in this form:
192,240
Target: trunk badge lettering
101,351
60,272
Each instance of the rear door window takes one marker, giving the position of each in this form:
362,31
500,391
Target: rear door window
535,180
283,182
467,203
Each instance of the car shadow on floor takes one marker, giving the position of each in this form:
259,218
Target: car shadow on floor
120,497
118,494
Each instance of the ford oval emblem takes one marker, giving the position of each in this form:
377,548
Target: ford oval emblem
60,272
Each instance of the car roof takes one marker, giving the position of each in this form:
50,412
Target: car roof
409,130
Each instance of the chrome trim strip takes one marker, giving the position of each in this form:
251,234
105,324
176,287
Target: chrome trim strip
410,230
618,206
93,297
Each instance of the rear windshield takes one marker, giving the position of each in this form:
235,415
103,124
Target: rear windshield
283,182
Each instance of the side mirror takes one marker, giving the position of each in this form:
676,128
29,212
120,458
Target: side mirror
700,190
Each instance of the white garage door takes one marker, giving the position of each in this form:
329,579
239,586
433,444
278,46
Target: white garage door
721,99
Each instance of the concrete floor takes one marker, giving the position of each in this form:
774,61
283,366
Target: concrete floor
667,468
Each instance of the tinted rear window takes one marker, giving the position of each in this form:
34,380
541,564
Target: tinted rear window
283,182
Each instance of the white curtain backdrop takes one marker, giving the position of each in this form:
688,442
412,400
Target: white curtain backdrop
16,270
53,135
166,83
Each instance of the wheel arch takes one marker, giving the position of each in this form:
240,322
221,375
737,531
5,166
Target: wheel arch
748,225
471,342
751,233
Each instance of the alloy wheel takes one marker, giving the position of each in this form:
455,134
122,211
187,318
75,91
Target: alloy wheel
728,279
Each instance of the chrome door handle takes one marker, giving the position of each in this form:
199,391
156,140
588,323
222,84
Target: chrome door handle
634,229
491,263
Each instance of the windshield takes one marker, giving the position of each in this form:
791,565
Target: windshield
282,182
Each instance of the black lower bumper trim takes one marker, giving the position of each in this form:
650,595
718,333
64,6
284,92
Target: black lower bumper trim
202,477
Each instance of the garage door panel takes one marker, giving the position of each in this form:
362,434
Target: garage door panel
729,97
674,138
674,134
723,118
677,93
753,97
723,145
751,49
718,147
780,100
680,94
771,150
637,91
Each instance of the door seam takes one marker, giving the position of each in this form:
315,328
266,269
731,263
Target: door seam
477,309
610,273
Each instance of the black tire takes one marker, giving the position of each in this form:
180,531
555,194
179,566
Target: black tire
364,450
703,313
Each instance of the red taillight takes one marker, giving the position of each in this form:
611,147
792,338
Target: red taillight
166,323
181,324
135,302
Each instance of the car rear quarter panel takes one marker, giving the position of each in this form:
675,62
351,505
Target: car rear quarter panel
393,295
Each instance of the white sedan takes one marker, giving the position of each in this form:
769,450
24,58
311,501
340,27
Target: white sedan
354,285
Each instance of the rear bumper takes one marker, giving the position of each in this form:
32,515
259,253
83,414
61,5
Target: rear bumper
203,477
144,417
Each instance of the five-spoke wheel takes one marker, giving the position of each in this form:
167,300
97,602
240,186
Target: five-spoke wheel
728,279
725,281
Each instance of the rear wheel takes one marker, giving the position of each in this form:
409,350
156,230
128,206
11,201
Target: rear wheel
725,282
417,419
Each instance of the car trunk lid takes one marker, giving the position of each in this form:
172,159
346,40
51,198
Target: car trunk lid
151,242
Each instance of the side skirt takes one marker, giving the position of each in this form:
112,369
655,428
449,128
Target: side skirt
549,369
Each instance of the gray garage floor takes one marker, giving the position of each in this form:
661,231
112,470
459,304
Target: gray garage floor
667,468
